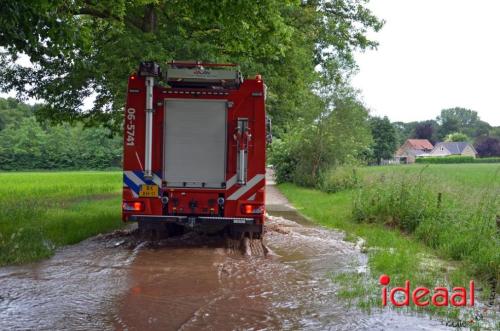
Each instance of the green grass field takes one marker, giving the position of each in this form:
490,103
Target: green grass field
408,233
40,211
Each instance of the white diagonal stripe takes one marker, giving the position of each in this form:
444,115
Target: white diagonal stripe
245,188
230,182
157,180
252,197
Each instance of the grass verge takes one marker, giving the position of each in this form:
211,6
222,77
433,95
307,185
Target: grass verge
41,211
391,251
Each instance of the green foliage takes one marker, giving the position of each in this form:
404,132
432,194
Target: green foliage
457,159
445,159
459,124
390,251
338,136
283,159
84,48
401,201
25,144
459,229
384,138
457,136
461,120
487,160
339,179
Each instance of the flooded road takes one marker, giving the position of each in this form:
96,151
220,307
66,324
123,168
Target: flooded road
114,282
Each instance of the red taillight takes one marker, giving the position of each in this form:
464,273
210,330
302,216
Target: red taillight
253,209
132,77
248,209
132,205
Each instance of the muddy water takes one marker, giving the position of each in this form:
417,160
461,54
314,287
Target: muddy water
194,282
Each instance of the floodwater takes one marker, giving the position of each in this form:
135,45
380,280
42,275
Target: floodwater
116,282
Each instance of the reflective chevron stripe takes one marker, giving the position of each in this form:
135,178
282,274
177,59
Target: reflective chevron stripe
247,187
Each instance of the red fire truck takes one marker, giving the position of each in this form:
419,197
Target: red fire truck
194,149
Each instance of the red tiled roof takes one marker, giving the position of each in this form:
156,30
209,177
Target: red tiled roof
420,144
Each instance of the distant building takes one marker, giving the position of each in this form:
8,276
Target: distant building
453,148
413,148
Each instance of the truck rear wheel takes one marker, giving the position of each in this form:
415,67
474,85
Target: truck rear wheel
151,230
239,231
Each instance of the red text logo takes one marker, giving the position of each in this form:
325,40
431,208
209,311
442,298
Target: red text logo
422,296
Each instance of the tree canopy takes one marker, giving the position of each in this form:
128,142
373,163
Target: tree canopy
456,136
384,138
25,144
86,48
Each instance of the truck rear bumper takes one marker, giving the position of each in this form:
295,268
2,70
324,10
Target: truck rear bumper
236,226
192,220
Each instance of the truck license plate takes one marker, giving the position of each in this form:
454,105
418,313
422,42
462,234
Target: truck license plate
239,221
148,191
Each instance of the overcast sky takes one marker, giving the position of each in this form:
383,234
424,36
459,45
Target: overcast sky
433,54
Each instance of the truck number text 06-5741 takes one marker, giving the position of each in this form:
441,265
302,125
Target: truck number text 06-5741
130,127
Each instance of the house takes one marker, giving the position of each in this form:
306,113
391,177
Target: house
453,148
413,148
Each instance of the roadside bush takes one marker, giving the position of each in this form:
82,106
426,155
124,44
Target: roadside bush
284,161
338,134
445,159
487,160
457,159
339,178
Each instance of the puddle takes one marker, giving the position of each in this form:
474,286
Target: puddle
117,282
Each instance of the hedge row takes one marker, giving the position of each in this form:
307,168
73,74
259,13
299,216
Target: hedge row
457,159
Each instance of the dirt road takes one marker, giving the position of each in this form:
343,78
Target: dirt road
112,282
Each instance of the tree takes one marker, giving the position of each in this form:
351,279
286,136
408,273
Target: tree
426,130
25,144
487,146
462,120
384,138
457,136
88,48
404,131
339,135
494,132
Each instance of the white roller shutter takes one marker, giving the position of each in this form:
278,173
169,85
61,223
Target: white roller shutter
195,143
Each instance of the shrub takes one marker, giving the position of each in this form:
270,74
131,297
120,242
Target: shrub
339,178
402,202
457,159
487,160
283,160
446,159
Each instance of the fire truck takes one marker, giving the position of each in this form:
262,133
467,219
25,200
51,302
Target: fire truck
194,149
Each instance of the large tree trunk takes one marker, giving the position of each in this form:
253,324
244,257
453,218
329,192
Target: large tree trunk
149,21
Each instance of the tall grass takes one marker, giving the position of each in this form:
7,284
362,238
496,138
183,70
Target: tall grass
339,178
409,232
40,211
460,225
